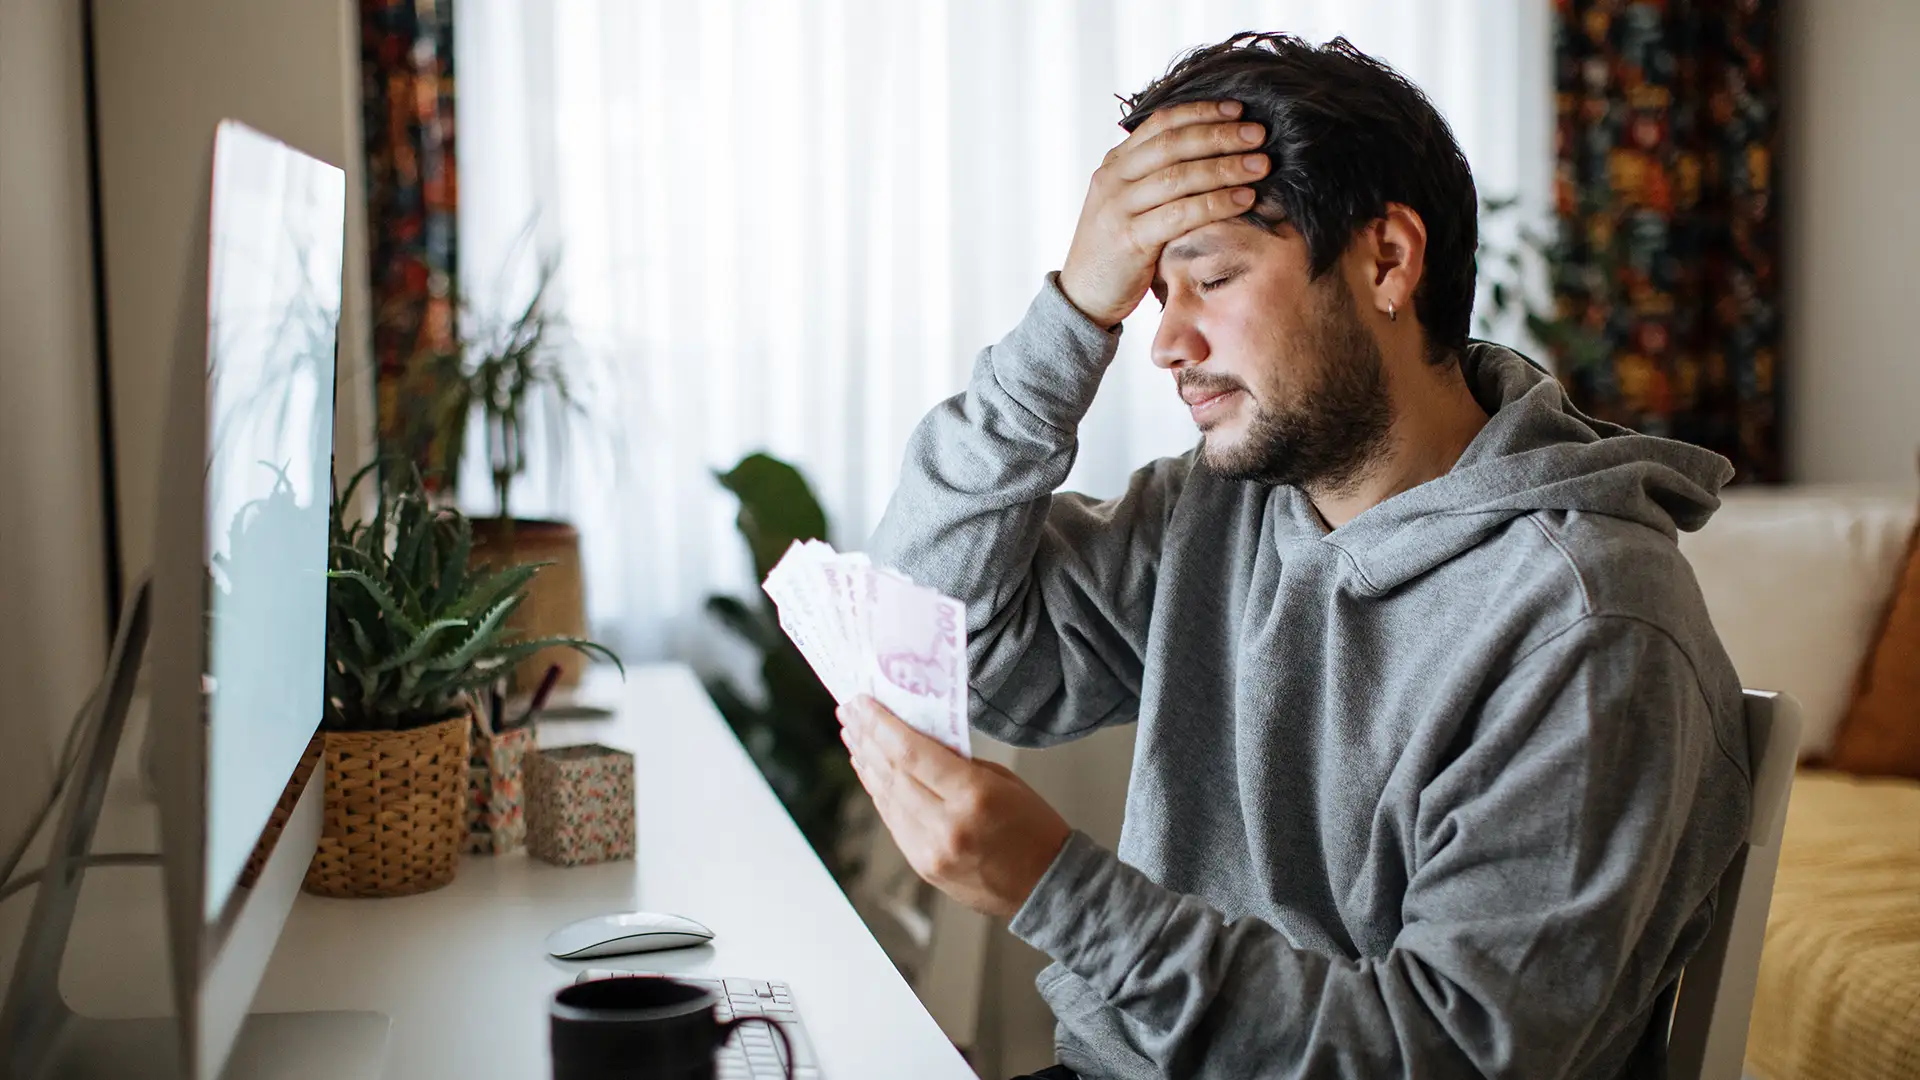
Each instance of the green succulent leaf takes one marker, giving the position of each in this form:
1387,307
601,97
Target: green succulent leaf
477,642
590,648
378,591
422,642
484,593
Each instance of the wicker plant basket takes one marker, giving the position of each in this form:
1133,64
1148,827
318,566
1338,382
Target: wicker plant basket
395,815
556,604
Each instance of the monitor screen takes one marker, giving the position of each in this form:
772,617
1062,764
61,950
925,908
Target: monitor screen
273,309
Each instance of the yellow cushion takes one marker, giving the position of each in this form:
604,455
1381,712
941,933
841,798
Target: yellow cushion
1839,992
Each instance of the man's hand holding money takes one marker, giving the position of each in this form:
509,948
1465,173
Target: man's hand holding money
970,828
894,655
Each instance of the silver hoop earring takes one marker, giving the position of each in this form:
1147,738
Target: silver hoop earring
1393,314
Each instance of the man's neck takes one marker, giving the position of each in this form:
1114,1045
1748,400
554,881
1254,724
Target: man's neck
1435,416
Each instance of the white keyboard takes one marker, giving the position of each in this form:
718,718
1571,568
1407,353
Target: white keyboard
752,1052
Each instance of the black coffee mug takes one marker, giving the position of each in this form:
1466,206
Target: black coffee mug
641,1027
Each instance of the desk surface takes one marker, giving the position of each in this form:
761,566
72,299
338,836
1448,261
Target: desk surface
462,971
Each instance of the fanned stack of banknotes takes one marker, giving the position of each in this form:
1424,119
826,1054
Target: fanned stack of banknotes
870,630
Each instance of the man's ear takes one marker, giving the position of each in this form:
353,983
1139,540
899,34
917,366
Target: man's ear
1394,250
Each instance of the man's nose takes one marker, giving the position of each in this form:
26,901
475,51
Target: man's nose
1178,343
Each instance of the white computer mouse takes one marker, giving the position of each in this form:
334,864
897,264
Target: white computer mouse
625,932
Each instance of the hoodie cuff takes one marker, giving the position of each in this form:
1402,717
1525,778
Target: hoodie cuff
1093,913
1052,362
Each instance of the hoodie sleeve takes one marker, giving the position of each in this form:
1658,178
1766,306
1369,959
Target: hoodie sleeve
1058,587
1556,887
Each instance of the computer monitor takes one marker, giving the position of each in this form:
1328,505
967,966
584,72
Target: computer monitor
238,626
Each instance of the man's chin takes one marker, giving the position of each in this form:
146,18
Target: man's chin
1223,445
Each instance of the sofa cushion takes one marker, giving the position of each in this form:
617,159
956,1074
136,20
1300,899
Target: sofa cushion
1796,581
1880,734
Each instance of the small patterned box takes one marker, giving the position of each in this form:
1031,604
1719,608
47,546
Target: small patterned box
580,804
496,800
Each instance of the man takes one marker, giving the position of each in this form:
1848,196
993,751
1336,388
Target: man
1438,758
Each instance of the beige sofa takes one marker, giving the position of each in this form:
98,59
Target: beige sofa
1796,581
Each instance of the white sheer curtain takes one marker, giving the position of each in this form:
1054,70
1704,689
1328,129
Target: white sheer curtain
790,226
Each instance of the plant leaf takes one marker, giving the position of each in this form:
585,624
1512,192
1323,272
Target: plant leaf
380,596
479,639
419,646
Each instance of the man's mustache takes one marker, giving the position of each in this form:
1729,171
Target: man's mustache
1198,384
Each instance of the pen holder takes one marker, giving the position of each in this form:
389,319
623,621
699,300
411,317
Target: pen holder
580,804
496,796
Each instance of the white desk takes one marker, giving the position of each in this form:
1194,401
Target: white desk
462,971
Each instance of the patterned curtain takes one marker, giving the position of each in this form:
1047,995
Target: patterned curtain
406,63
1666,137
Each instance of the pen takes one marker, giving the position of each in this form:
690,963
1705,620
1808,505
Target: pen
540,696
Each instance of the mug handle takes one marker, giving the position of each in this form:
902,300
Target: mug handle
727,1029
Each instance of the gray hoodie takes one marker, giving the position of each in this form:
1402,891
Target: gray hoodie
1442,792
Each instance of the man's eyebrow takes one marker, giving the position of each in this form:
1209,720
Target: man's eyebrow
1194,247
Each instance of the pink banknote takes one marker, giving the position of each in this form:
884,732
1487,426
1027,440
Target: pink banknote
867,630
917,662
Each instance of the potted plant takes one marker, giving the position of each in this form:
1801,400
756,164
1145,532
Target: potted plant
1579,346
414,628
793,737
503,371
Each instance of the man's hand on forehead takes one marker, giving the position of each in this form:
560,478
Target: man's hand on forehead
1187,166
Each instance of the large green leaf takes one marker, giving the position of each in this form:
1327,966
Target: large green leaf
748,622
776,508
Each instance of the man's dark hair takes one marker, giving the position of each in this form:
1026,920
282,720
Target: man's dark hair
1347,135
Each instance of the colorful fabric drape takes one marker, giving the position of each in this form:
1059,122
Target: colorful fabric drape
406,57
1666,138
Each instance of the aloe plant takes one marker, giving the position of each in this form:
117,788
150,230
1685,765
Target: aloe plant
412,625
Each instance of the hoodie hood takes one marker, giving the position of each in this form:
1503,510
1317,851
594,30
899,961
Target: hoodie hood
1537,452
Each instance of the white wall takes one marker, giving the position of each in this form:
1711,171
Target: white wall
52,550
168,71
1850,170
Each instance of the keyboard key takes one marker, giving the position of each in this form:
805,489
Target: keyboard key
802,1048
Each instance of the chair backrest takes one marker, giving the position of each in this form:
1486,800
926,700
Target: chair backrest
1708,1039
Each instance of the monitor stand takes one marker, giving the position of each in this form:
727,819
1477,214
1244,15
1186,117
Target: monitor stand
267,1046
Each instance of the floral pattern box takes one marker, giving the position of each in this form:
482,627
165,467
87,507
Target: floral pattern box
580,805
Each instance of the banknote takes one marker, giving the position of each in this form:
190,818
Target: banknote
872,630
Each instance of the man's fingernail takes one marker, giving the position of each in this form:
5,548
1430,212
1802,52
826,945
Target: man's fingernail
1254,162
1250,133
1229,108
1243,197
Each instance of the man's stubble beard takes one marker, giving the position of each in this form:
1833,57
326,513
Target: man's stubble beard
1327,437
